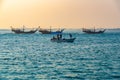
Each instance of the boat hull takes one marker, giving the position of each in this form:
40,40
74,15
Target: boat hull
47,32
88,31
63,40
94,32
23,32
50,32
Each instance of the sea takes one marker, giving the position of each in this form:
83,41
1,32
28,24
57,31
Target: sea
35,57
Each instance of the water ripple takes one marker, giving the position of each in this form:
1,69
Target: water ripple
35,57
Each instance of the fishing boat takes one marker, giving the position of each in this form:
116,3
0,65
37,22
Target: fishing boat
63,40
23,31
93,31
60,39
51,31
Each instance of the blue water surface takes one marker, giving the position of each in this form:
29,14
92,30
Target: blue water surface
35,57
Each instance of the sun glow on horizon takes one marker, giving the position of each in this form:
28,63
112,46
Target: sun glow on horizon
59,13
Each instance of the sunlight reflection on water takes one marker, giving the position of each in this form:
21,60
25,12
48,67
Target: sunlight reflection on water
35,57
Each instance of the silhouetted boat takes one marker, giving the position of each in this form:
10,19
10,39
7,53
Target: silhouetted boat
93,31
60,39
63,40
23,31
51,31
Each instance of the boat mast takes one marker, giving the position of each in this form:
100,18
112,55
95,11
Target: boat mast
94,28
23,27
50,28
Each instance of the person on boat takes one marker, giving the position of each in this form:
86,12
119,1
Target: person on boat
54,37
70,36
60,36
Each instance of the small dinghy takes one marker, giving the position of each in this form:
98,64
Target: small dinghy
63,40
60,39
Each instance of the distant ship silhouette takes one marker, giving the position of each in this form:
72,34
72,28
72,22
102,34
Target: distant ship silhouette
93,31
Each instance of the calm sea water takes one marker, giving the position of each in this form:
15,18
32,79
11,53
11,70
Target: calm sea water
35,57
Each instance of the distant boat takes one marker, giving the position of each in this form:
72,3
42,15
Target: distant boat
23,31
51,31
60,39
93,31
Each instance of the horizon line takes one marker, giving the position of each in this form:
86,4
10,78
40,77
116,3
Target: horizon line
66,28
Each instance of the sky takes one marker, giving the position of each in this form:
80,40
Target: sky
60,13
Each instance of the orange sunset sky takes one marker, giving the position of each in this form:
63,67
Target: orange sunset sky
60,13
